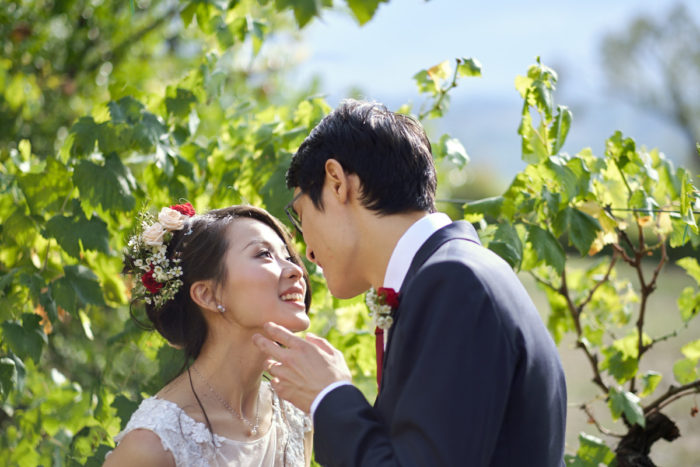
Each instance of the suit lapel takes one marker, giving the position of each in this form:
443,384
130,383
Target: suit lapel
461,230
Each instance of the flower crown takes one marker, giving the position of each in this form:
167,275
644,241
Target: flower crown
146,250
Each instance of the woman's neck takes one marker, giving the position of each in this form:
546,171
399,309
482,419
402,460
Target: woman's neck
232,369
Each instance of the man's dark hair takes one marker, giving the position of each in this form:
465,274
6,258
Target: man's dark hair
389,152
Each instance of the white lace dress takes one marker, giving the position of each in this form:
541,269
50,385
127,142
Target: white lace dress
190,442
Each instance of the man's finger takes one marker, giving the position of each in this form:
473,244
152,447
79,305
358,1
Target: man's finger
269,347
280,334
320,342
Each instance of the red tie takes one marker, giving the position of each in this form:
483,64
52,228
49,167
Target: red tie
379,345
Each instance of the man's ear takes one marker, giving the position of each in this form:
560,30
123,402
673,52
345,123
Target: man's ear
202,293
337,180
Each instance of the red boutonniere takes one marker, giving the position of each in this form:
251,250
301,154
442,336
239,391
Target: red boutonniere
381,303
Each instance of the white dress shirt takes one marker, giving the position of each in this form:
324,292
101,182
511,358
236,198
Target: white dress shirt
404,251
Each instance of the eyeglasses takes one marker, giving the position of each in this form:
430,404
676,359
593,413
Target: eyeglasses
292,214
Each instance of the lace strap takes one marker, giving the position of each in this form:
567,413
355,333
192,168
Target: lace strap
189,441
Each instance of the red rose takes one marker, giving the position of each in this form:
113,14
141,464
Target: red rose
388,296
150,283
185,209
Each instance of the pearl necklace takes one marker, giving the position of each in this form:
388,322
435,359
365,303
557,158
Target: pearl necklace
253,427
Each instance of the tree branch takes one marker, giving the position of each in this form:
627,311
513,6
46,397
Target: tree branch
592,419
673,393
599,283
575,315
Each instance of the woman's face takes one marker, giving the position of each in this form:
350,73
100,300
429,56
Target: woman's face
262,282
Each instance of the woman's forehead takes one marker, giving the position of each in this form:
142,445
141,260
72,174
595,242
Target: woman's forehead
245,231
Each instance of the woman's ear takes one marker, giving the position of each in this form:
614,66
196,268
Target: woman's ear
202,293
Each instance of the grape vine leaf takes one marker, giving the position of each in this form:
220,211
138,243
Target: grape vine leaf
27,339
71,231
109,185
78,287
622,401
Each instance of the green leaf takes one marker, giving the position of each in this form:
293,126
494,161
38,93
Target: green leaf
125,110
456,152
47,189
488,207
547,247
114,137
564,177
622,401
149,131
581,228
304,10
125,407
181,103
691,266
468,67
560,128
109,186
619,365
84,136
543,97
650,380
688,303
19,228
687,198
685,370
72,231
506,244
692,350
26,340
425,83
364,10
8,376
77,288
275,193
592,452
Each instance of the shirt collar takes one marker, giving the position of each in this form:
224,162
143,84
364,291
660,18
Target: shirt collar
409,244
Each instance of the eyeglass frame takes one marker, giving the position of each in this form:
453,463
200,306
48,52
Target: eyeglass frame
292,214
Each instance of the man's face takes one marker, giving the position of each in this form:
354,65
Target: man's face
331,242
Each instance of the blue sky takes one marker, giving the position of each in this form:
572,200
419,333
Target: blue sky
405,36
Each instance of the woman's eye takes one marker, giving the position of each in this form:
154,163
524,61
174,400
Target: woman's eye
264,254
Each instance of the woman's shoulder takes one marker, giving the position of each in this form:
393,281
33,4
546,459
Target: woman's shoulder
176,432
140,447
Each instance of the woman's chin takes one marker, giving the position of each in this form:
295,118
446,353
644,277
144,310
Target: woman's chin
299,323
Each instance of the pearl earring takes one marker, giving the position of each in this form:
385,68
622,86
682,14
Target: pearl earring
220,308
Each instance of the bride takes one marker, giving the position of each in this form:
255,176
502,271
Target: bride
209,282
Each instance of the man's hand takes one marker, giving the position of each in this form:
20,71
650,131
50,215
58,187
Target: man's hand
300,368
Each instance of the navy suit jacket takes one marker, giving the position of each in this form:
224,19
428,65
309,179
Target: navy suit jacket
471,376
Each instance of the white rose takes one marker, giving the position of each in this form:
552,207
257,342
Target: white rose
171,219
153,236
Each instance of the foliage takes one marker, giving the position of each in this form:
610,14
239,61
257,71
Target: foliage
627,206
655,64
107,107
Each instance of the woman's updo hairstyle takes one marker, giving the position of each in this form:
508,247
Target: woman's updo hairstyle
201,247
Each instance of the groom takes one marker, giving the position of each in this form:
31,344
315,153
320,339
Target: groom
470,374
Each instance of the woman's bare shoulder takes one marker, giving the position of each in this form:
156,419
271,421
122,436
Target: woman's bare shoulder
140,447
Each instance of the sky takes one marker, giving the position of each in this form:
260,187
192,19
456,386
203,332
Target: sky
506,36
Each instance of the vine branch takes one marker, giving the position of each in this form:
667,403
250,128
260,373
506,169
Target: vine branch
600,427
673,393
576,316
